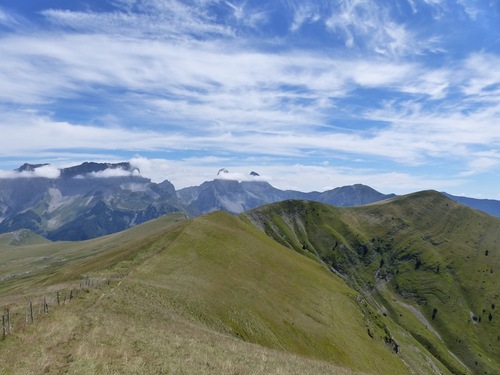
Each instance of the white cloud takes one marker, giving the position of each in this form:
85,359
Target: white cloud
210,79
470,8
238,176
246,16
46,171
433,83
11,20
366,23
482,162
482,77
480,165
302,177
374,26
109,173
305,12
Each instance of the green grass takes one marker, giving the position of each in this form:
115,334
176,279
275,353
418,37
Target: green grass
212,295
113,335
225,274
424,250
33,265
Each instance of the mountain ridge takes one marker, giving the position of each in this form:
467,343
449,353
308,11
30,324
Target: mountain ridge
94,199
425,260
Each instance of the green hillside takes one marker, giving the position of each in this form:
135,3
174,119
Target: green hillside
28,261
211,295
429,263
20,238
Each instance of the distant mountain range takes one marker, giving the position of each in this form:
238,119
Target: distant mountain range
490,206
94,199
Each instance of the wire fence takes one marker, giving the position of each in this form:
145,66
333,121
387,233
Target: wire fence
23,315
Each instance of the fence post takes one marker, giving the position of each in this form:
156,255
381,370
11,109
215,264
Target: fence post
8,321
3,327
31,312
58,299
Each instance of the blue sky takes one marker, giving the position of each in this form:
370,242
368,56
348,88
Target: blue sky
401,95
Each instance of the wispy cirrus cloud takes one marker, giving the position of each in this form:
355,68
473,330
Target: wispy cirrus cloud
152,19
370,25
237,96
482,77
11,20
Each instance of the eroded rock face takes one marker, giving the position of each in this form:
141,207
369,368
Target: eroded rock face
82,202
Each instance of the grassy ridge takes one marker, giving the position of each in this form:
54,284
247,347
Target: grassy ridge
213,295
34,264
423,259
229,276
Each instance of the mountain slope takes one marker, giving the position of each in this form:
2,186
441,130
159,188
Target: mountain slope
490,206
211,295
424,260
35,262
20,238
236,197
86,201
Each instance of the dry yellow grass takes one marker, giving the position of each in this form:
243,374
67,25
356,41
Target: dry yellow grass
96,335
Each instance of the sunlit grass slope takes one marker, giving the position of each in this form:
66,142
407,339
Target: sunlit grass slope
224,273
28,261
212,295
429,263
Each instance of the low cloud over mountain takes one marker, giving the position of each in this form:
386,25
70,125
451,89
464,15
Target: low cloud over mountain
94,199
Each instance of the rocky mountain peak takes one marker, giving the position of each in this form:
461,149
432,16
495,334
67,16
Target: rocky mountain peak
26,167
222,171
92,167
